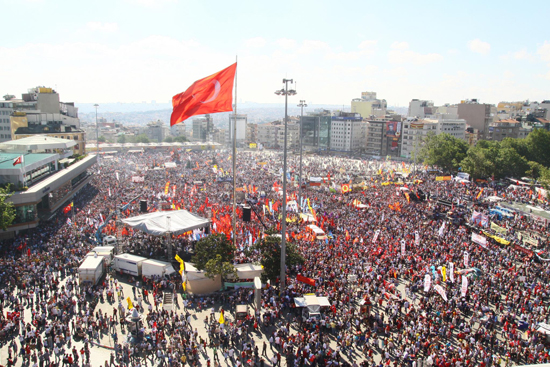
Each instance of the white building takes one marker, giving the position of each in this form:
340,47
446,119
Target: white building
6,109
420,108
347,132
268,134
242,121
416,130
178,130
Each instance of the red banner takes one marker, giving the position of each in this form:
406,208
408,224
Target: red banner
306,280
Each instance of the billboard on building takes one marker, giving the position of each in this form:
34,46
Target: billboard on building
393,128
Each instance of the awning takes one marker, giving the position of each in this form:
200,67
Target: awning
160,223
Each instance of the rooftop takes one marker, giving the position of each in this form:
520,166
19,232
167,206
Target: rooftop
36,143
6,159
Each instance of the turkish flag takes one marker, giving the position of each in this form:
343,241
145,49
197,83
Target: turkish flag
209,95
18,160
306,280
67,209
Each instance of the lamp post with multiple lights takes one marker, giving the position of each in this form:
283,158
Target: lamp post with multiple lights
301,105
284,92
96,134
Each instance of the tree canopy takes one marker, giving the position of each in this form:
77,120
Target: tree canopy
270,252
508,158
209,247
444,151
7,211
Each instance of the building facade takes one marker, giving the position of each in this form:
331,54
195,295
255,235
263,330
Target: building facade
477,115
346,132
202,128
368,105
316,129
268,134
6,110
242,122
420,108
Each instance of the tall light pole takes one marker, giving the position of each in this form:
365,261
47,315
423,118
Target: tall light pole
96,134
301,105
284,92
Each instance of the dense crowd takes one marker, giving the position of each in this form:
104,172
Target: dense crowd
373,266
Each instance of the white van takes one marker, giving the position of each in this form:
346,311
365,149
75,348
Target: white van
109,241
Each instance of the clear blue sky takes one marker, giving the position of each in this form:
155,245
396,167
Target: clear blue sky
144,50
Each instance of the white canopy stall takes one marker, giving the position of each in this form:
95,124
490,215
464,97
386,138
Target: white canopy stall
160,223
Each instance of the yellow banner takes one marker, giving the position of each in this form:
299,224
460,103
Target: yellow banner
495,227
497,238
443,178
252,145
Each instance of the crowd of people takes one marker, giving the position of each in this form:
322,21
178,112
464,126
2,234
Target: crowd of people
407,284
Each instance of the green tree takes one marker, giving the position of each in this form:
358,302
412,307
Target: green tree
180,139
169,139
121,139
216,267
535,170
538,145
142,138
7,211
101,139
270,251
209,247
509,163
444,151
477,163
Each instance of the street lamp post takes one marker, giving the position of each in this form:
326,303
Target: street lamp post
301,105
284,92
96,134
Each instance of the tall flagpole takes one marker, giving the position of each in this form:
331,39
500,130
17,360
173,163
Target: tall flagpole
235,163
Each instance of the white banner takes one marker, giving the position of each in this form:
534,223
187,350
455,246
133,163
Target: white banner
442,229
375,236
416,238
403,247
439,289
427,282
116,173
452,272
466,259
138,179
479,239
464,288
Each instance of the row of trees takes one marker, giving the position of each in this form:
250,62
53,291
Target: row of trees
215,253
487,159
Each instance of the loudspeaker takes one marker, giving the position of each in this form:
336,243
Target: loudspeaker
143,206
246,213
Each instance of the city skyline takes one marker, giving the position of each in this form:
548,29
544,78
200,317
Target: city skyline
143,50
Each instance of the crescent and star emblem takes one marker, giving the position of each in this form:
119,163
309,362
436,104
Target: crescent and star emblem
217,88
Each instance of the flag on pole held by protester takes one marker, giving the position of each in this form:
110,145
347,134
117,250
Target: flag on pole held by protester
376,234
427,282
208,95
464,287
439,289
442,229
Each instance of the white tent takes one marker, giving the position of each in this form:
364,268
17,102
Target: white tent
248,271
175,222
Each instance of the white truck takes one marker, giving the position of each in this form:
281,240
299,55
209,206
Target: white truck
151,267
129,264
106,252
311,305
91,270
